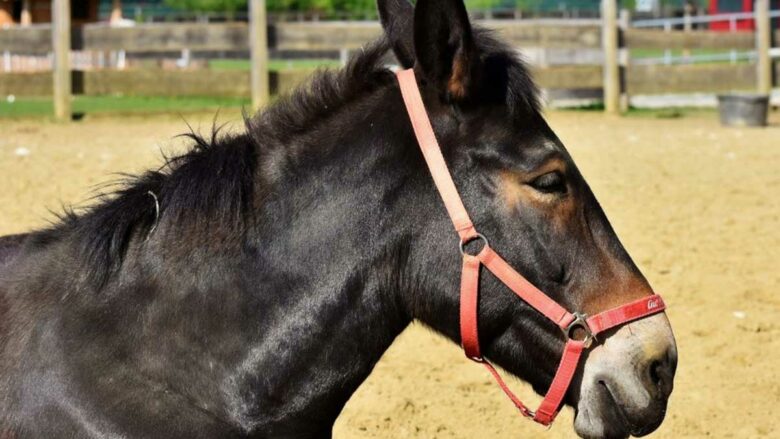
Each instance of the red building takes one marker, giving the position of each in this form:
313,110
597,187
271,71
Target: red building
735,6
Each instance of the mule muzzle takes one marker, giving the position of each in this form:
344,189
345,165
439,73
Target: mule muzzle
627,381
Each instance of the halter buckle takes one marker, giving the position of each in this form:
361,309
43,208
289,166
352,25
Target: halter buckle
580,321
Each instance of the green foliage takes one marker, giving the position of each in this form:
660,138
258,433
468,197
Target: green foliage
358,8
527,5
300,5
229,6
484,4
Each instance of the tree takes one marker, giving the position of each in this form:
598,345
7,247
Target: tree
354,8
300,5
482,5
228,6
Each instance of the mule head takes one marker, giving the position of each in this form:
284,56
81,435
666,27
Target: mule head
525,193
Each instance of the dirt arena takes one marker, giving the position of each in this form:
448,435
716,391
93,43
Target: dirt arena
697,206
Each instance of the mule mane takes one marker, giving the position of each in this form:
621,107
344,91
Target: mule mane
322,96
213,183
217,182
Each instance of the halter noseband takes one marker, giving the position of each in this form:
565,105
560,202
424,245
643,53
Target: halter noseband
469,282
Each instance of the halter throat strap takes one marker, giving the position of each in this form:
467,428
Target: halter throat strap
525,290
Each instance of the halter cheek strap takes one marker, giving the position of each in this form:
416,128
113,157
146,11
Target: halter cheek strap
469,283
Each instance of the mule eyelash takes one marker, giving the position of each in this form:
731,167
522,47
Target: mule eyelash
550,183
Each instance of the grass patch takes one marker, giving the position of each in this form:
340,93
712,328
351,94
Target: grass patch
670,113
596,106
96,105
43,107
639,54
655,113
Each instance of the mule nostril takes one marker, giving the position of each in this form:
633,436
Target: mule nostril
661,372
656,373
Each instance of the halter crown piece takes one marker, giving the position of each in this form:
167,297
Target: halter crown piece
469,282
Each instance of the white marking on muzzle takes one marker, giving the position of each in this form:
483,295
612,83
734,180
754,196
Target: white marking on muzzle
621,363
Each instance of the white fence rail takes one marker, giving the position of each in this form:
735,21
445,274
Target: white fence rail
688,22
670,22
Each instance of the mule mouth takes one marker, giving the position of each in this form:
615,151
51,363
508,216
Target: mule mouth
600,414
625,420
612,416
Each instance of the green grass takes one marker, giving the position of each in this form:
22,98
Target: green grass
274,64
654,113
96,105
37,107
670,113
639,53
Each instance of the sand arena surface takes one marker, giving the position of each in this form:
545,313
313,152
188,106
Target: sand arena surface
696,205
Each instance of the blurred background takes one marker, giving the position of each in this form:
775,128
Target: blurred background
127,55
667,106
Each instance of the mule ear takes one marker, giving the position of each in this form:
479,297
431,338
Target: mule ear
397,17
444,46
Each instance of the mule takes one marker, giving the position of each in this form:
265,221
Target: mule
249,287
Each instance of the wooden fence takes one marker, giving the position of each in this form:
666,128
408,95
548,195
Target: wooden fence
611,70
151,82
310,36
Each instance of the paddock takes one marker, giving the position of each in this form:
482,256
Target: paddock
695,204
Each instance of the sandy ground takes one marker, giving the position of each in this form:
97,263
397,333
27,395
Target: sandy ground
696,205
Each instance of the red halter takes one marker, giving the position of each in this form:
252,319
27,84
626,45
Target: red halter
469,283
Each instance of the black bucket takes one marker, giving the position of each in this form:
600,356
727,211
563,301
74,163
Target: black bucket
743,109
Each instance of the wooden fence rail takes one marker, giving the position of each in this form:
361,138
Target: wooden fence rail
333,36
33,39
151,82
701,39
318,36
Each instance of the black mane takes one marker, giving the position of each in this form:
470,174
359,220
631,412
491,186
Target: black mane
220,177
213,181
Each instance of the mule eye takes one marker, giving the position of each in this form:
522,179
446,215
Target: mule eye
550,183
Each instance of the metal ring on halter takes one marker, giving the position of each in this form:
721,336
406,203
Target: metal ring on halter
463,242
580,321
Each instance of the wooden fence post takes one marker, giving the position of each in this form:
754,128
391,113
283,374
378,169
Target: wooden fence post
258,43
60,35
609,41
687,27
763,44
624,58
25,19
116,12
